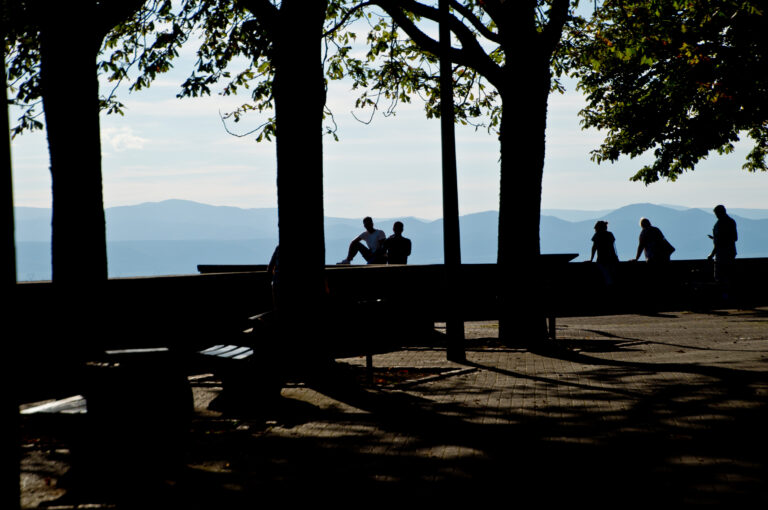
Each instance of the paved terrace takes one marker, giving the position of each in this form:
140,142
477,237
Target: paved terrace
620,410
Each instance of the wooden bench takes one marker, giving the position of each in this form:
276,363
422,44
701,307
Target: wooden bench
240,369
248,363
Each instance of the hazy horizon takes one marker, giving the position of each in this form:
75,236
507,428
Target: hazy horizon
602,210
175,236
166,147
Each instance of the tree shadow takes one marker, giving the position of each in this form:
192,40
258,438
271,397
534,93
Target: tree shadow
755,313
617,343
598,438
656,445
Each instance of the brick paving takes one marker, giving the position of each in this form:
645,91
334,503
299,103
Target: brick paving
620,410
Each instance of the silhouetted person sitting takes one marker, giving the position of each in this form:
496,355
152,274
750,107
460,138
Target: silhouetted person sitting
657,249
724,237
398,247
603,244
374,253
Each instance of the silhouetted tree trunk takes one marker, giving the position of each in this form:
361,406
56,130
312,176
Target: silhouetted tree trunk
454,325
10,446
299,93
9,243
523,81
70,39
295,29
524,91
71,104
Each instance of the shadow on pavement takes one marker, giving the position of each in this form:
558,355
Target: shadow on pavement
696,440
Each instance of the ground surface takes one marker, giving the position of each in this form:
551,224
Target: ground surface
631,410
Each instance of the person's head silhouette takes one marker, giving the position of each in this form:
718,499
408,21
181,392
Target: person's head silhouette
368,223
720,211
397,228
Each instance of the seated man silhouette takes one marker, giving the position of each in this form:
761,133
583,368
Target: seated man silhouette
398,247
375,252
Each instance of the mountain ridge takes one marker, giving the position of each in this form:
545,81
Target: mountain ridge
173,236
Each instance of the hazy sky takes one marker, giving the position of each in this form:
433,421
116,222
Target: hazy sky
167,148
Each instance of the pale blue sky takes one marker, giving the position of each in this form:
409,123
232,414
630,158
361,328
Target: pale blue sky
167,148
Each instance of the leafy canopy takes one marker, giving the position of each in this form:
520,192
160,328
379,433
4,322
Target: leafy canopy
680,78
403,52
136,41
234,54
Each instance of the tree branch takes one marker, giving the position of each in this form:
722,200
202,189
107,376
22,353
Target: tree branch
111,14
346,17
471,53
497,10
266,12
558,15
467,13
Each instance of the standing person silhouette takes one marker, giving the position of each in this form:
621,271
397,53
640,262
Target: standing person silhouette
724,237
374,253
655,283
398,247
604,245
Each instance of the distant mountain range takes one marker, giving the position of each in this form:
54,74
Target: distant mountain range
174,236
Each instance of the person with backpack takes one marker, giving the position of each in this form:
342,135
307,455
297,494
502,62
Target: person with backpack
652,241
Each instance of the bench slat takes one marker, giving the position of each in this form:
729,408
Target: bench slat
72,405
228,351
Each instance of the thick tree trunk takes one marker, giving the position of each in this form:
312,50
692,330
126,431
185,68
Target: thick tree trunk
9,226
299,94
522,139
70,94
70,100
10,450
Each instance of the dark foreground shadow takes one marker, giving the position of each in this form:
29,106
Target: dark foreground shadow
699,440
402,445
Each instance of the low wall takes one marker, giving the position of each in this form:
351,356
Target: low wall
179,309
51,329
